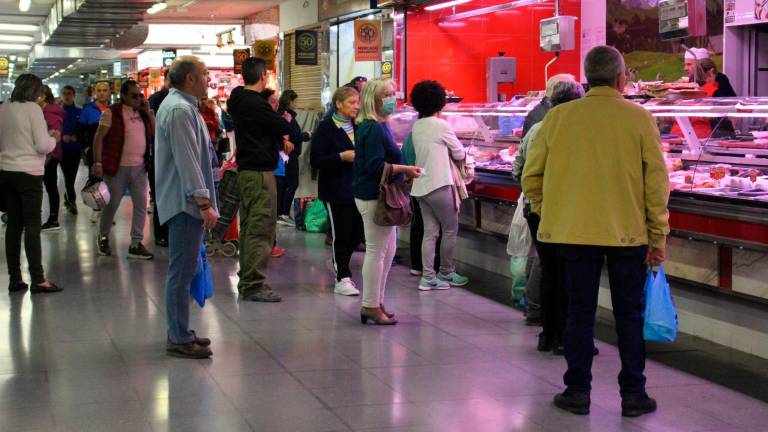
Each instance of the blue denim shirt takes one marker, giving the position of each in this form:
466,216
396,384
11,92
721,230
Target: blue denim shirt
182,157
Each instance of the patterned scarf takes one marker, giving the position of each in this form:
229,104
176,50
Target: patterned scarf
346,125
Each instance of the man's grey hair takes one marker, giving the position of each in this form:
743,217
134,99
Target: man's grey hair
566,91
556,79
181,68
602,65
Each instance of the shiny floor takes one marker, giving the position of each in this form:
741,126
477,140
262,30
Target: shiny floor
92,358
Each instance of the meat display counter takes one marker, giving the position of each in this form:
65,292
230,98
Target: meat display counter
719,186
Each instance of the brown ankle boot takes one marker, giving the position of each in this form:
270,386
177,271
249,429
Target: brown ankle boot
383,310
376,315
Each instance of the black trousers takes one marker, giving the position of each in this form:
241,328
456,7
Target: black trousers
554,299
70,164
51,181
287,190
161,230
24,202
347,232
417,237
582,267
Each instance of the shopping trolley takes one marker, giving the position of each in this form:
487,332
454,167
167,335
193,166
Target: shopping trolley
224,238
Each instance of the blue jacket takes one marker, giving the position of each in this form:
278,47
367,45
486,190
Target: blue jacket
374,145
71,119
183,158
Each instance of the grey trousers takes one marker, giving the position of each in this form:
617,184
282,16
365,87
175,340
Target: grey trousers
135,179
438,209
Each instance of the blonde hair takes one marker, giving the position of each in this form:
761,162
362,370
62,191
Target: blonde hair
552,82
370,100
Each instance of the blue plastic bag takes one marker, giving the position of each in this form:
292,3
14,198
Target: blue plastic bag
202,284
660,313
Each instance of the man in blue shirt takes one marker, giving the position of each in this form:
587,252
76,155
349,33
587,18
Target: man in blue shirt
70,161
186,198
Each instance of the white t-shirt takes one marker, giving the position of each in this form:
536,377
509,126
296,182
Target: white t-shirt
24,138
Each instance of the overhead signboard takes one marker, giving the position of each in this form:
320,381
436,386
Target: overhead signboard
169,55
367,40
239,56
306,48
328,9
265,49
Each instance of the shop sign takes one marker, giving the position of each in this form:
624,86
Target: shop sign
169,55
386,70
265,49
367,40
306,48
143,79
4,63
328,9
239,56
129,66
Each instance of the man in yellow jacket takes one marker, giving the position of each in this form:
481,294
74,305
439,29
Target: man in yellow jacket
596,176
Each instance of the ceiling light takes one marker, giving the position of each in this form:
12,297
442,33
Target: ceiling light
16,47
446,4
16,38
13,58
19,27
230,40
219,41
157,7
24,5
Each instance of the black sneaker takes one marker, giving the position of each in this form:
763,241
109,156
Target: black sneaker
104,249
50,226
161,242
637,405
139,252
17,286
573,402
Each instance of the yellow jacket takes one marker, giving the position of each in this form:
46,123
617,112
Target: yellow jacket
596,175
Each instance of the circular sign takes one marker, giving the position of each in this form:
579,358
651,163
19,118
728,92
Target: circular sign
241,56
368,33
3,63
306,42
386,67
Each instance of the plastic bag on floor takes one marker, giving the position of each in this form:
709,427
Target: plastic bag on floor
316,218
519,241
660,313
517,266
202,284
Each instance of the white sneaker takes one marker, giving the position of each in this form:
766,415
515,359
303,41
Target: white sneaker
346,287
433,284
415,272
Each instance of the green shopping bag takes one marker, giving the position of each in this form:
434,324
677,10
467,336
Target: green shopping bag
316,218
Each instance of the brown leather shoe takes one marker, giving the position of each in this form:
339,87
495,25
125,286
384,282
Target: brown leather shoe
50,288
375,315
189,350
384,311
203,342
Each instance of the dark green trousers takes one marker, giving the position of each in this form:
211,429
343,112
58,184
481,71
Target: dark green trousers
258,219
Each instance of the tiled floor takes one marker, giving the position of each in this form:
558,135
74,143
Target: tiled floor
92,358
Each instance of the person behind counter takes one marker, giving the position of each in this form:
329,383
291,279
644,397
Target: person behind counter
539,111
596,176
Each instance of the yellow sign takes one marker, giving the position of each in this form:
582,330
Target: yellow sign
265,50
4,63
367,40
386,70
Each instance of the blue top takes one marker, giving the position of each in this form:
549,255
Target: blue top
71,118
374,145
182,157
90,114
280,170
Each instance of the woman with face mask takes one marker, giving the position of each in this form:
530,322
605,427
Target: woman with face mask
375,147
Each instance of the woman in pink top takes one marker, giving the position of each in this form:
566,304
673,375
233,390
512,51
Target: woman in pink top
54,119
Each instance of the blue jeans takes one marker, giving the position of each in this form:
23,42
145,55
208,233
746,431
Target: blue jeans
185,235
582,267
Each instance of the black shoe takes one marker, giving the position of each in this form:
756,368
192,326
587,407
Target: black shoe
17,286
103,244
265,295
544,343
139,252
51,225
572,402
637,405
161,242
40,289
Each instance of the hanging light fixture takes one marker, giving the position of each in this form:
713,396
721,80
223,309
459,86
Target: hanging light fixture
230,40
219,41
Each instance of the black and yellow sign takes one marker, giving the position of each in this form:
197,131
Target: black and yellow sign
239,56
306,48
265,49
4,64
386,70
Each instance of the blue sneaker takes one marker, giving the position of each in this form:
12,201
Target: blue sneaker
454,279
433,284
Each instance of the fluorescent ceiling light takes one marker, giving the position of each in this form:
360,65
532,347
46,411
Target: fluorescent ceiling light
19,27
157,7
16,38
490,9
18,47
446,5
24,5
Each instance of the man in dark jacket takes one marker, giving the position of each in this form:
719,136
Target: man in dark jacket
258,133
539,111
70,161
161,230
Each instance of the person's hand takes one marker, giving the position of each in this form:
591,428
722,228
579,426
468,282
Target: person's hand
413,172
97,170
144,105
655,256
287,146
287,116
309,134
347,156
210,217
66,139
57,135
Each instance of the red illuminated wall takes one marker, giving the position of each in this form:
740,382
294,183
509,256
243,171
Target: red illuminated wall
455,53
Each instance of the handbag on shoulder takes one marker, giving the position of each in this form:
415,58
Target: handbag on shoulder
394,203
